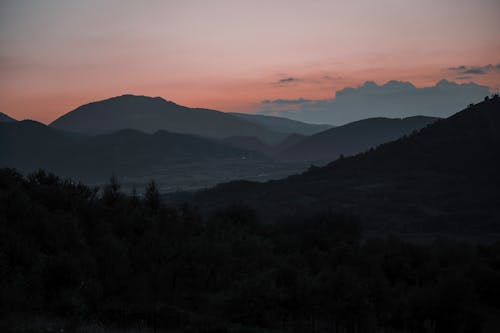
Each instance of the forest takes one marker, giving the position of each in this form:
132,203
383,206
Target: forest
108,258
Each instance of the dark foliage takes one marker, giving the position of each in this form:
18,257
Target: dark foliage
68,250
442,178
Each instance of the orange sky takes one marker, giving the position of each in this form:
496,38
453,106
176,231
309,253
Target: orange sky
230,55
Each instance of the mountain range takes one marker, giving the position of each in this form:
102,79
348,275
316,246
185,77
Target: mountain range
444,176
148,114
329,144
5,118
126,136
283,125
29,145
352,138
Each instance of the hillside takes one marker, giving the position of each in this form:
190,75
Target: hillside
353,138
249,143
148,114
28,145
283,125
5,118
443,177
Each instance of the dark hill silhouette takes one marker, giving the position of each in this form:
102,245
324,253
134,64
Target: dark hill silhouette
5,118
288,142
150,114
353,138
27,142
443,177
29,145
249,143
283,125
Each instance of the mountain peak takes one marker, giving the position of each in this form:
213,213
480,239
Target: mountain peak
132,97
6,118
150,114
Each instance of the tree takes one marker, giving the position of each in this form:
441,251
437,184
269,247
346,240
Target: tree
152,196
111,192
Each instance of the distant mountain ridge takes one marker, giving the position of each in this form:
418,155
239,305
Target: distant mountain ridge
329,144
150,114
353,138
29,145
6,118
249,143
444,177
282,125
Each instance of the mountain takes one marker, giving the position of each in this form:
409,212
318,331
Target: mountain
288,142
5,118
148,114
282,125
27,142
444,177
353,138
249,143
29,145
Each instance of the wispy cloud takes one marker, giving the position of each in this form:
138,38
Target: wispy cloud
288,80
475,70
286,101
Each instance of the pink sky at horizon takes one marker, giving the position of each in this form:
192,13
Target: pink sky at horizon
230,55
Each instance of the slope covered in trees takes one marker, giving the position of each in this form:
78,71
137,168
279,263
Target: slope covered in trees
441,178
110,259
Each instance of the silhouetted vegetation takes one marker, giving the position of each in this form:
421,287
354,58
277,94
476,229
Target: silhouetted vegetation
444,178
71,251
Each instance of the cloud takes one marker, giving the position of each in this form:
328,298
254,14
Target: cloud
311,79
475,70
393,99
288,80
286,101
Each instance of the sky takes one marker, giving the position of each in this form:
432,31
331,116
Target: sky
233,55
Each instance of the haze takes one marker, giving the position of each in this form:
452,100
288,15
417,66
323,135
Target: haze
231,55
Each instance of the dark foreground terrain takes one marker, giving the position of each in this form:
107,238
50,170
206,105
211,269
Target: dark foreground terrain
348,247
444,177
73,259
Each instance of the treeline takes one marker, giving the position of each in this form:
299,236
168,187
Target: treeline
71,251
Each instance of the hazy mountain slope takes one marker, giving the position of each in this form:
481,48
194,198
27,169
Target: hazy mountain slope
282,125
249,143
29,145
353,138
25,143
288,142
443,177
5,118
149,115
